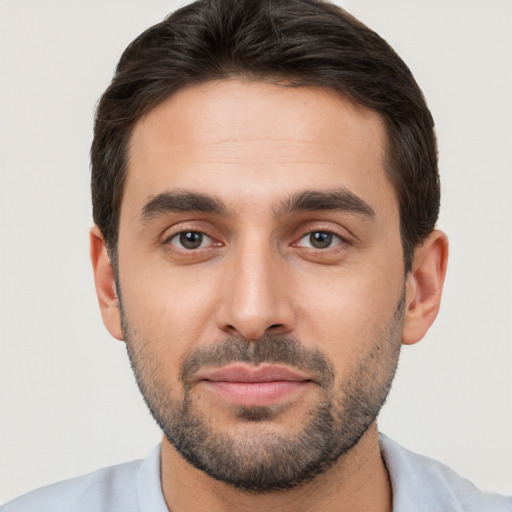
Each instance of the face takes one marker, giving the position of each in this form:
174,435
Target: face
261,278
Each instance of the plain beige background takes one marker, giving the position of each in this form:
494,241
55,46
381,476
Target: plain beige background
68,402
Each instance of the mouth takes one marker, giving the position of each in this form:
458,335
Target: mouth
245,385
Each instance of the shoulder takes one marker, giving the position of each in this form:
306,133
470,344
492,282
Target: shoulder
423,484
97,491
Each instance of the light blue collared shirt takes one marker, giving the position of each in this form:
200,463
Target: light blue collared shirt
419,484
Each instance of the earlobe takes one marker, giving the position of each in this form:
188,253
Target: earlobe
424,286
105,284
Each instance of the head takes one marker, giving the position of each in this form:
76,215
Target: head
265,191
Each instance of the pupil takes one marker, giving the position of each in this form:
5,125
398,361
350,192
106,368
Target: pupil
320,239
191,239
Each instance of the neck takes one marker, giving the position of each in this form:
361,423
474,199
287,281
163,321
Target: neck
357,482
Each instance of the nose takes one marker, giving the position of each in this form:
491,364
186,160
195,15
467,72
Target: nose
256,294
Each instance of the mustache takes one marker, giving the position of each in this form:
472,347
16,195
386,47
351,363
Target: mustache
277,349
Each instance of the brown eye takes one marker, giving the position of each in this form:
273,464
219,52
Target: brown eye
320,240
190,240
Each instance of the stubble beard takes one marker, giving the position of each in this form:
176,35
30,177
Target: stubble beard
259,459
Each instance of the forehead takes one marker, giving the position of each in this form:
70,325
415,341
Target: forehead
236,139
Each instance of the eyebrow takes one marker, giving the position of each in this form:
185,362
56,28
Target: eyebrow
309,200
331,200
171,202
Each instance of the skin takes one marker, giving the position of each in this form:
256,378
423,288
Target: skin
253,146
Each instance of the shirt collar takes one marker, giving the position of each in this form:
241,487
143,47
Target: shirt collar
149,484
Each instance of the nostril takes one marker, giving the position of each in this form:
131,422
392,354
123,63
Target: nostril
276,326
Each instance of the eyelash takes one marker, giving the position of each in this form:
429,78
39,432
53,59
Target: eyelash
330,234
180,234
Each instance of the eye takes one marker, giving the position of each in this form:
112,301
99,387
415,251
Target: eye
320,240
190,240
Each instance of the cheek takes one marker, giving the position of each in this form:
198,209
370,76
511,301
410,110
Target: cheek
346,314
171,307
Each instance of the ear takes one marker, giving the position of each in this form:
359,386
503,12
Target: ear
105,284
424,285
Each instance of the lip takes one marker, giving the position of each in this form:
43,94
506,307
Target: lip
244,385
246,373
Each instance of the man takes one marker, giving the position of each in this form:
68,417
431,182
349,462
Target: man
265,192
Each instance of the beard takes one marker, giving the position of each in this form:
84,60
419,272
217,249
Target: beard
261,459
